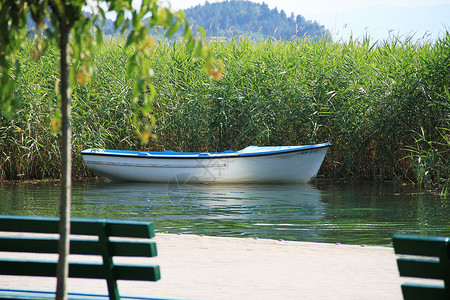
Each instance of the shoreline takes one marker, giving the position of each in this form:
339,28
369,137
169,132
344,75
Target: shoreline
208,267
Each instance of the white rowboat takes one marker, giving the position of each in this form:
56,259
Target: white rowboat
279,164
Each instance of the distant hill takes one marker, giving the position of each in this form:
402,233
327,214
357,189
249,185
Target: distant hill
238,17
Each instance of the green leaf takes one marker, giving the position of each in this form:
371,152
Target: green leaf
130,39
202,31
174,28
152,91
166,17
190,45
119,20
99,34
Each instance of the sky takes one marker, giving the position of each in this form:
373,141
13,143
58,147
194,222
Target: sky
379,19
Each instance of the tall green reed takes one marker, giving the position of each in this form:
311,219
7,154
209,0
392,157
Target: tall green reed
369,99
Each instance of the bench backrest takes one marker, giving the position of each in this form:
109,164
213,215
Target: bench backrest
99,237
424,257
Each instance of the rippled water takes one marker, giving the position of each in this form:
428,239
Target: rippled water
352,213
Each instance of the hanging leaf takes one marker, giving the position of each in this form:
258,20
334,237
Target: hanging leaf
119,20
173,29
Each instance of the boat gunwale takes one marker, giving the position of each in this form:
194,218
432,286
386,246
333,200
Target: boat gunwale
198,155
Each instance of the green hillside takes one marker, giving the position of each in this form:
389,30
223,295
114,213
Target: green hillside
231,18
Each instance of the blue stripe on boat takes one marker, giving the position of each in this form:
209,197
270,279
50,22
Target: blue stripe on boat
246,152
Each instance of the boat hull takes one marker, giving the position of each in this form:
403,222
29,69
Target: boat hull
292,165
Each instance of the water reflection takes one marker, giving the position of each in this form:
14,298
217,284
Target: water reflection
361,213
201,195
249,210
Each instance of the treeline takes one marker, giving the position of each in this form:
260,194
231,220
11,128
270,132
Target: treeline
385,107
227,19
237,17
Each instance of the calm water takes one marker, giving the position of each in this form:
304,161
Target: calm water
351,213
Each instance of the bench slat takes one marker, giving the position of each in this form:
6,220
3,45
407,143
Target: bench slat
420,245
31,245
418,291
421,268
85,247
29,224
137,272
28,267
134,248
92,270
132,229
121,272
118,228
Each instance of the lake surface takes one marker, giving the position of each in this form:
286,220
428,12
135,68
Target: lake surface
347,213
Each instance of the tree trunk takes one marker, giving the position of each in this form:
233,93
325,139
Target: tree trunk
66,168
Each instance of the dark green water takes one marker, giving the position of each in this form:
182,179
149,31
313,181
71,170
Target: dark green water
350,213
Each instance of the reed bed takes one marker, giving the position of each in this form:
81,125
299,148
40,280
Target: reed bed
385,106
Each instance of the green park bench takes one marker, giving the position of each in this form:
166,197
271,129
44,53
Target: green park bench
100,237
424,257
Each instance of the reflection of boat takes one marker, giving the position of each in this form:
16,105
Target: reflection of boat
250,165
250,210
214,196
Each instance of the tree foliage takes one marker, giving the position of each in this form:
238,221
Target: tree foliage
86,31
63,21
